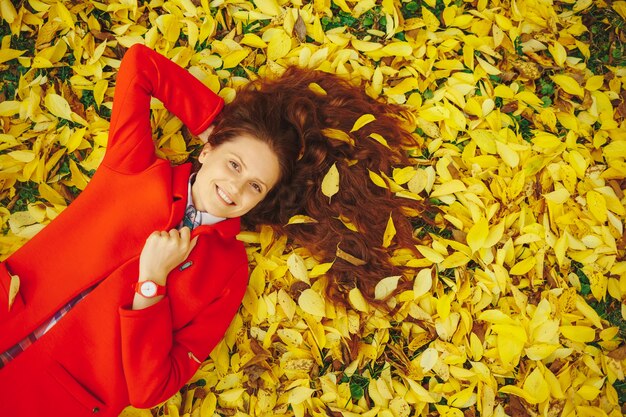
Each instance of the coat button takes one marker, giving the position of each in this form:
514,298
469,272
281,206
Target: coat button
95,410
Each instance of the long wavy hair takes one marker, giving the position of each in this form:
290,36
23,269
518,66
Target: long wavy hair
293,115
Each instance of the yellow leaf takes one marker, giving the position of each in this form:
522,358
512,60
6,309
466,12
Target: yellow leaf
342,5
75,139
7,11
362,121
540,351
22,156
208,406
588,392
362,7
489,69
568,84
14,288
9,54
234,58
268,7
377,179
594,83
310,301
434,113
320,269
169,26
301,218
403,175
428,359
536,387
338,134
279,45
341,254
357,300
253,40
9,108
463,399
430,254
51,195
99,90
559,196
297,267
231,395
317,89
346,222
559,53
517,391
300,394
422,283
509,156
454,260
529,97
398,49
386,287
596,203
365,46
598,283
378,138
510,343
390,232
421,393
330,183
485,139
432,22
477,234
448,187
287,304
523,266
58,10
581,334
58,106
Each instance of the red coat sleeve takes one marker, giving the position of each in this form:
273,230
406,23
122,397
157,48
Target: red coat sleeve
143,74
157,360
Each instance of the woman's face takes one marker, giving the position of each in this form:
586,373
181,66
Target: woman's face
234,177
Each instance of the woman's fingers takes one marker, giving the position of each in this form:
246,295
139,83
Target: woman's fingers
185,234
192,245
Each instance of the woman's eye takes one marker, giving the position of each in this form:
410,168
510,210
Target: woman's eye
234,165
256,187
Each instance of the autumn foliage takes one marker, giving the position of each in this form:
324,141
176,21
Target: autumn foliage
518,304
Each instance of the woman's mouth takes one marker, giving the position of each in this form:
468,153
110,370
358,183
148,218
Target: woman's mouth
224,197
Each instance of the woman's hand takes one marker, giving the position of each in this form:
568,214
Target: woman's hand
204,136
164,251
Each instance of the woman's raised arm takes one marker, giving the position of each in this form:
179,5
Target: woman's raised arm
143,74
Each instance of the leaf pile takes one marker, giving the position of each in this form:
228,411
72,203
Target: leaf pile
518,307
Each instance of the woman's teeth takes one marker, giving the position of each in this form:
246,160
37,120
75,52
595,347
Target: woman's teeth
224,196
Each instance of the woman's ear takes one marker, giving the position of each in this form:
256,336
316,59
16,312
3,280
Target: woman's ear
204,136
206,149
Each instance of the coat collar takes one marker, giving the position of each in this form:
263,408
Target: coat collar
228,228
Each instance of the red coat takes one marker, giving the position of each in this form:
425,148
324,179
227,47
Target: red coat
102,355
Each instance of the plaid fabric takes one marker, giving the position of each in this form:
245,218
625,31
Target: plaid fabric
190,220
10,354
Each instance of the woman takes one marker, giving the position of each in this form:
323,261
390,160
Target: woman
120,302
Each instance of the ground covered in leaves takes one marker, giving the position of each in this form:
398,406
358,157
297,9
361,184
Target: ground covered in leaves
518,306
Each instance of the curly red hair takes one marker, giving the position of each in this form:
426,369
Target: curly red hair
292,115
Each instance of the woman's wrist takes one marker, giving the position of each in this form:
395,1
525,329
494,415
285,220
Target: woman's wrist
156,277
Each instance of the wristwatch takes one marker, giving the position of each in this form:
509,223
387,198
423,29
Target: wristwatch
149,289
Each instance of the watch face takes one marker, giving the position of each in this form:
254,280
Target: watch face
148,289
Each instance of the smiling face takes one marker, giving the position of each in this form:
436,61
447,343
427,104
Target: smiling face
235,176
